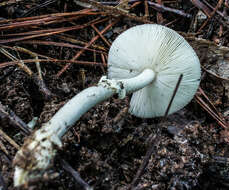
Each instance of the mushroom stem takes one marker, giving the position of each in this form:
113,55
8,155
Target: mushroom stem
85,100
136,83
38,151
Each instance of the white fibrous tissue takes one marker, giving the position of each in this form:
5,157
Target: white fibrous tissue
114,85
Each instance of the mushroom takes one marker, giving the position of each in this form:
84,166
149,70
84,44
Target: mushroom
168,55
145,60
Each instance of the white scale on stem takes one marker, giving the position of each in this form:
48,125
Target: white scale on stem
145,60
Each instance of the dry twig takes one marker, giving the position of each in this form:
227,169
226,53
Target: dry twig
20,63
219,4
75,175
75,41
10,24
115,11
101,35
146,9
59,44
201,6
38,6
173,96
40,83
87,45
208,106
152,144
14,119
159,15
88,63
3,148
9,2
168,9
11,141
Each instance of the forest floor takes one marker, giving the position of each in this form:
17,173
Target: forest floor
108,145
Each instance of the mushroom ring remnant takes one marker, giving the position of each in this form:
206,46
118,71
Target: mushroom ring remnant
146,60
168,54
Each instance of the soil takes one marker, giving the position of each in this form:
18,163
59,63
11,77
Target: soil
107,145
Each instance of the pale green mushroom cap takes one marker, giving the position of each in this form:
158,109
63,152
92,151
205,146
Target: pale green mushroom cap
168,54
